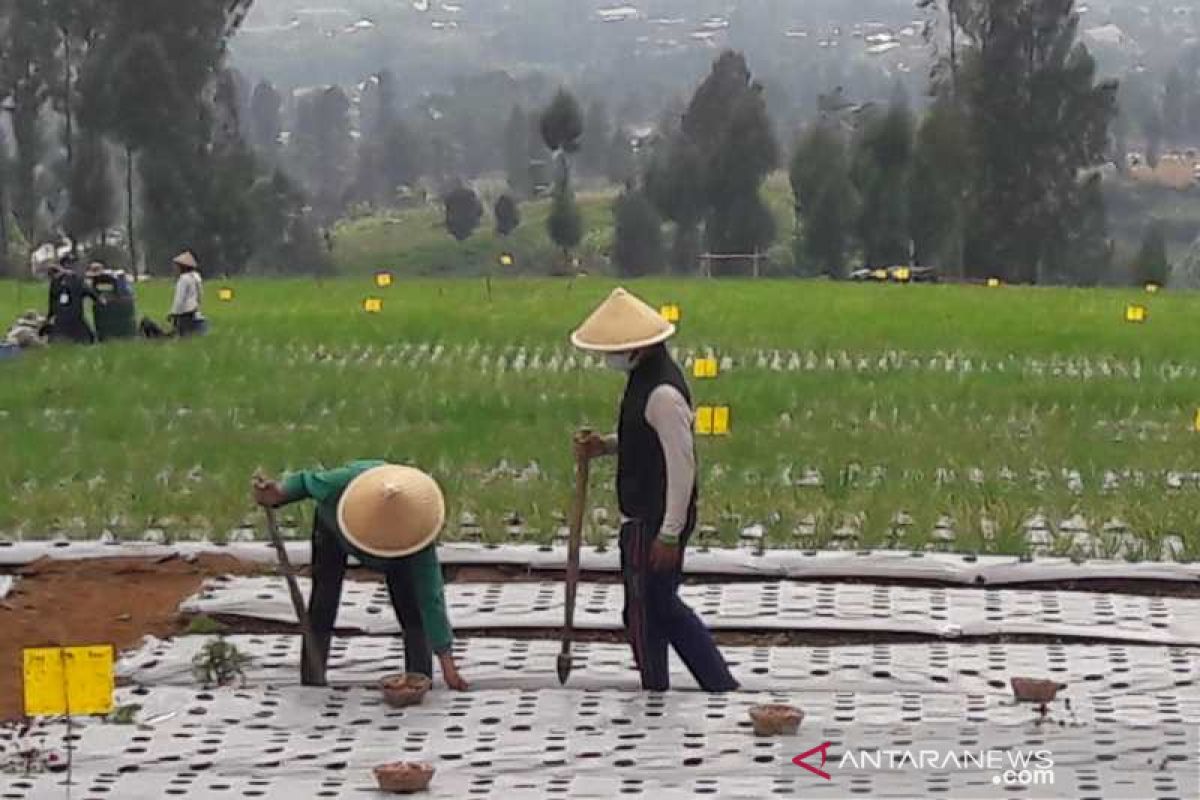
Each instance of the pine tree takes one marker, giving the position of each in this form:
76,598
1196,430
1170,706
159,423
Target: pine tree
562,123
938,187
463,212
565,223
880,171
824,201
507,214
266,119
516,153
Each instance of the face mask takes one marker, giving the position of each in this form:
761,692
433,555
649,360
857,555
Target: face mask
621,362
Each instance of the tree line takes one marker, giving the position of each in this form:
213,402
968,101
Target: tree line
123,100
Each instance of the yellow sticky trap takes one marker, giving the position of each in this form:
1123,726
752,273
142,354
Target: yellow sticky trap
671,313
373,305
1152,287
879,274
383,279
993,283
1196,422
713,420
225,294
705,368
68,680
721,421
1135,313
506,260
903,274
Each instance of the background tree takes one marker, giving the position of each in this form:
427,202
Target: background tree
675,185
637,242
91,210
463,212
29,74
824,201
266,119
507,214
565,223
1038,118
322,149
739,221
1151,264
561,123
880,170
938,187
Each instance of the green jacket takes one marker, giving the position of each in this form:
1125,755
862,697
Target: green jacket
326,487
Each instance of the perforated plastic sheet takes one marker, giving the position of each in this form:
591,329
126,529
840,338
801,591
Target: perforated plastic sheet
6,584
780,605
1120,739
881,564
954,671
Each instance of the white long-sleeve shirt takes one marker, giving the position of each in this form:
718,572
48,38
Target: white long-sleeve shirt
668,413
188,291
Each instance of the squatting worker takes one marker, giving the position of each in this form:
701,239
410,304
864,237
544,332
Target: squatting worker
185,316
388,517
65,314
656,490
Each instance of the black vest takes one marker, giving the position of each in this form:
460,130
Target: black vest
641,465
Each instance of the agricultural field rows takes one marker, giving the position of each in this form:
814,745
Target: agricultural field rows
1007,421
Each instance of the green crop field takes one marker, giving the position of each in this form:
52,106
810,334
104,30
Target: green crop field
863,415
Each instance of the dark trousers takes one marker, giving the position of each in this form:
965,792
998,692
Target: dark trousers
655,617
328,570
187,325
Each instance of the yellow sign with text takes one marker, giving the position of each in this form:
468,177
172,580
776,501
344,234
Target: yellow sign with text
373,305
671,313
68,680
225,294
383,279
1134,313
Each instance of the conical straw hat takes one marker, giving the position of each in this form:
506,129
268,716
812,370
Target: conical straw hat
622,323
391,511
186,259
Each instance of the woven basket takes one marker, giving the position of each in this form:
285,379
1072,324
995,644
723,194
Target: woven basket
404,690
776,720
404,777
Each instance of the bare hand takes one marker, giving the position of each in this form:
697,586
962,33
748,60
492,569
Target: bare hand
267,493
589,445
450,673
664,557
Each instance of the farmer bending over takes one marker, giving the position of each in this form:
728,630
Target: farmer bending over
388,517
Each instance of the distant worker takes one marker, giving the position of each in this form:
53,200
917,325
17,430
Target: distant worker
28,331
656,490
65,314
388,517
186,317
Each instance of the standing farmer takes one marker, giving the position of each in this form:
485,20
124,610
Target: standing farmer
388,517
185,314
656,489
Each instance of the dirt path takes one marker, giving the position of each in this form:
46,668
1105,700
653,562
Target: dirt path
107,601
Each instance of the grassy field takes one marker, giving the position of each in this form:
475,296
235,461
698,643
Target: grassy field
970,407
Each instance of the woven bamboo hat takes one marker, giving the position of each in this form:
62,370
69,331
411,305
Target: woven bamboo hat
391,511
622,323
186,259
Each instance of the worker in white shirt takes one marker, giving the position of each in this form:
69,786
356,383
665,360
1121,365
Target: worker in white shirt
186,317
